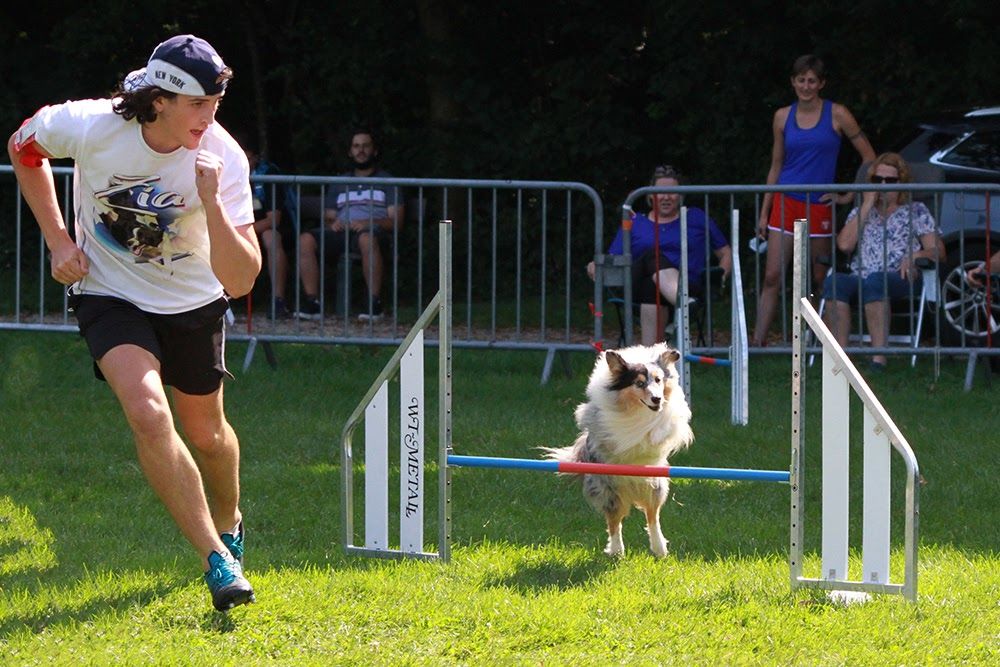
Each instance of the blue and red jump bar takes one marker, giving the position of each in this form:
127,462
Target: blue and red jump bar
677,472
710,361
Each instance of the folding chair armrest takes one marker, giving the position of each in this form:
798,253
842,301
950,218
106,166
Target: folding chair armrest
613,267
929,273
843,264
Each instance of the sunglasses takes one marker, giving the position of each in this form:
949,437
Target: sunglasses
884,179
664,171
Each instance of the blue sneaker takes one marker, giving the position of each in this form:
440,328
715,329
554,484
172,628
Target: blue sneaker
226,582
235,542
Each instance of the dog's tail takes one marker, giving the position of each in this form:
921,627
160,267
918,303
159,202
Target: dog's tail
572,453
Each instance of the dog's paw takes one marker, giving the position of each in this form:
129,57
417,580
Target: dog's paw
615,548
660,547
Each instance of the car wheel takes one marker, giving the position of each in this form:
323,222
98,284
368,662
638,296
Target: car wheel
966,318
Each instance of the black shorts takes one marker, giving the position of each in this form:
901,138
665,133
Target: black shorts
643,270
333,242
189,346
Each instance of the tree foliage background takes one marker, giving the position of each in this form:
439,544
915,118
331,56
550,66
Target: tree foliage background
564,90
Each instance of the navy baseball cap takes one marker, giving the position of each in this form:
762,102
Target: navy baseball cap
183,64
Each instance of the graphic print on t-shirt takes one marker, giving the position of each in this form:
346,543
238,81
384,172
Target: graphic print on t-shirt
139,222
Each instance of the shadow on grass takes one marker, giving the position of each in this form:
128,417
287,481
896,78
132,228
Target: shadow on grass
214,621
56,613
551,575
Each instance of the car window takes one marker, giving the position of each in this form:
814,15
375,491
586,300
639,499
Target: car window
981,150
925,143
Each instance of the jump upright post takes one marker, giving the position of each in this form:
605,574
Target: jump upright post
406,364
739,344
737,362
840,377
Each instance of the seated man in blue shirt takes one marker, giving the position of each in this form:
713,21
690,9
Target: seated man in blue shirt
270,225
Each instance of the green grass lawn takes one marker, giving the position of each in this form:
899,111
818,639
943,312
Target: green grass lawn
92,571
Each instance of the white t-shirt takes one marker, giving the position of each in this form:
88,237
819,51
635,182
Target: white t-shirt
139,219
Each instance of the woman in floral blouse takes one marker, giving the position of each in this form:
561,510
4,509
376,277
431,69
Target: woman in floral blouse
889,232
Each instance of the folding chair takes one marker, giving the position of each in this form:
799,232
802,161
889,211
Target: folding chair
903,308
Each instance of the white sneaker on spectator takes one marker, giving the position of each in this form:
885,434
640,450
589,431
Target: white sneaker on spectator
309,310
376,314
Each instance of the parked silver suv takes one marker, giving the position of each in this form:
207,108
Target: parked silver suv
963,148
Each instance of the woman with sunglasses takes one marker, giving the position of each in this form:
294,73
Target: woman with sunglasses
890,232
807,138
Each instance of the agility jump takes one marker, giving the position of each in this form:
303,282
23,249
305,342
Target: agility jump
840,378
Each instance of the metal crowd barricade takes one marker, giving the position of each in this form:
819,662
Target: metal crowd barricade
519,273
515,265
517,270
962,323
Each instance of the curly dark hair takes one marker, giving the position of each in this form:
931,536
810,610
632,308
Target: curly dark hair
138,103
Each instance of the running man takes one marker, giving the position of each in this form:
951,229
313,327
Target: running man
164,232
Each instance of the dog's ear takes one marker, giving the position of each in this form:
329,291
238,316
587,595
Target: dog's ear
615,362
668,357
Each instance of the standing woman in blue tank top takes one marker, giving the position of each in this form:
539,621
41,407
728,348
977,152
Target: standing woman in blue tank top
807,138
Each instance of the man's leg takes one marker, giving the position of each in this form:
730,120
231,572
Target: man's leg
216,450
371,262
134,376
277,262
309,264
308,305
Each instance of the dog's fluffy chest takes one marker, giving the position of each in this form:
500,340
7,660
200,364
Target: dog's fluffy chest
630,436
636,412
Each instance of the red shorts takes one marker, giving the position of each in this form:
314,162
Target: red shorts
785,211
